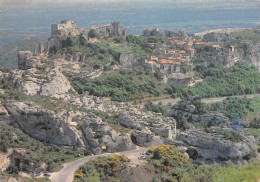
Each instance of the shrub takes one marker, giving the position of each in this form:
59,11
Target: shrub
12,170
105,168
93,34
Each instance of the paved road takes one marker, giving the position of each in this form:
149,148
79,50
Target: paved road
67,172
205,100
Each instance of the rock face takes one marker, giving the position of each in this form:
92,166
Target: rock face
76,57
70,129
251,53
42,124
193,110
48,82
146,138
146,124
231,51
179,34
127,60
151,32
110,30
209,148
26,60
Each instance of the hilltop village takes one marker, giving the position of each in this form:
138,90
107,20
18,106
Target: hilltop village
170,54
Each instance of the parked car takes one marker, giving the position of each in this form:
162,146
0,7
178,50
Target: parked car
46,175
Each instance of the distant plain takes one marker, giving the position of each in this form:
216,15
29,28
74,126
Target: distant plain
27,20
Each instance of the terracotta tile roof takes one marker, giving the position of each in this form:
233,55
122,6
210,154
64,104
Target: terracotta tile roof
165,61
190,43
178,42
216,46
171,51
203,43
154,58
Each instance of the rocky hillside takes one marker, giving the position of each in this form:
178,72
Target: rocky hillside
39,100
243,45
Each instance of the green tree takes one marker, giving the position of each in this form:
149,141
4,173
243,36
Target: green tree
93,34
82,40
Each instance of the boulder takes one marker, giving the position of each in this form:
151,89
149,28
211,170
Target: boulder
146,138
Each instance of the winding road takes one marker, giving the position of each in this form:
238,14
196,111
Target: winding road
66,174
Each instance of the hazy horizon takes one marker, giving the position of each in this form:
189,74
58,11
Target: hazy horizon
32,18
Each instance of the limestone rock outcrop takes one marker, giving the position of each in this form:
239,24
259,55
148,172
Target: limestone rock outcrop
43,124
27,60
67,128
215,144
180,34
231,50
151,32
193,110
146,138
210,147
110,30
47,82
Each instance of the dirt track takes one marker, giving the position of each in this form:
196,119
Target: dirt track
205,100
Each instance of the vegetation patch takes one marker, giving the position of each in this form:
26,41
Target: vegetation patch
101,169
218,81
158,108
174,166
237,107
244,110
117,86
252,35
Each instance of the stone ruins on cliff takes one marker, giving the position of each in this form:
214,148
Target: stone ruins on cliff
60,32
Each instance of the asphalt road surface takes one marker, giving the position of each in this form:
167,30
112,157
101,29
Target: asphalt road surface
66,174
